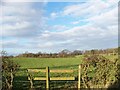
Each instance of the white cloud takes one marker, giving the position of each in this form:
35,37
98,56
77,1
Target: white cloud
53,15
75,22
46,45
107,18
58,28
88,8
81,33
16,29
10,44
21,19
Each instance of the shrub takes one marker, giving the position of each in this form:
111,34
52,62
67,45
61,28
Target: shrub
99,72
9,69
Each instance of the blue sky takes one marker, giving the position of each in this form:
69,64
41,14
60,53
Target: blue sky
54,26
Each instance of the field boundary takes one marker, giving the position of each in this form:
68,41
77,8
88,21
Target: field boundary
48,78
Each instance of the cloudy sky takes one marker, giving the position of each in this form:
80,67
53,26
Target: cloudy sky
54,26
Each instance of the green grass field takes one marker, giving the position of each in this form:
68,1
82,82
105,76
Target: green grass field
51,62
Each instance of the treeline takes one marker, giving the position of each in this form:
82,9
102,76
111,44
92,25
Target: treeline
67,53
63,53
111,51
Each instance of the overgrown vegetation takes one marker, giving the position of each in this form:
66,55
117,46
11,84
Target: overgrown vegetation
99,72
9,69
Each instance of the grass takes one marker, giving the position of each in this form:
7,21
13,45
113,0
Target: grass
43,62
53,62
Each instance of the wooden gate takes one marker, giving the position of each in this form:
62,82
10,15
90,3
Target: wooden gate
48,78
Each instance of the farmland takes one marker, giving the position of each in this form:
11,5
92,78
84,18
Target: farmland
54,63
51,62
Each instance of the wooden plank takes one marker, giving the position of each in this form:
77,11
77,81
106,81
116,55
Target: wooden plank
61,71
55,78
62,78
36,70
52,71
40,78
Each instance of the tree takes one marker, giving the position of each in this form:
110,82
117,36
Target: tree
77,52
64,53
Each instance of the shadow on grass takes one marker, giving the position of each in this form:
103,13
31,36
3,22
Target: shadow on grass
22,83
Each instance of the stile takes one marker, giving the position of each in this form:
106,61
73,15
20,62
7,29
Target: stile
48,78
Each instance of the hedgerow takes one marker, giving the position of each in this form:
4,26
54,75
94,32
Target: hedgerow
99,72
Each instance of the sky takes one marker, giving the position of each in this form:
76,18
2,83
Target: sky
54,26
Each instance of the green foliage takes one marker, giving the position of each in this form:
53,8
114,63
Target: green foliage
99,72
9,69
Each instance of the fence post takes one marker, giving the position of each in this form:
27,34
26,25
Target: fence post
79,76
31,80
47,78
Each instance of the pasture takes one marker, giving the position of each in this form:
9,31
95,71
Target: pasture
51,62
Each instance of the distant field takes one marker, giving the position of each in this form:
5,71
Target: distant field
51,62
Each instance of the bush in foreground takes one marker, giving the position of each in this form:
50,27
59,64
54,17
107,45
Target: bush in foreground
99,72
9,69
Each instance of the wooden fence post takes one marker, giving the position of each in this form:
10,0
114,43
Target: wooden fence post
79,76
31,80
47,78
